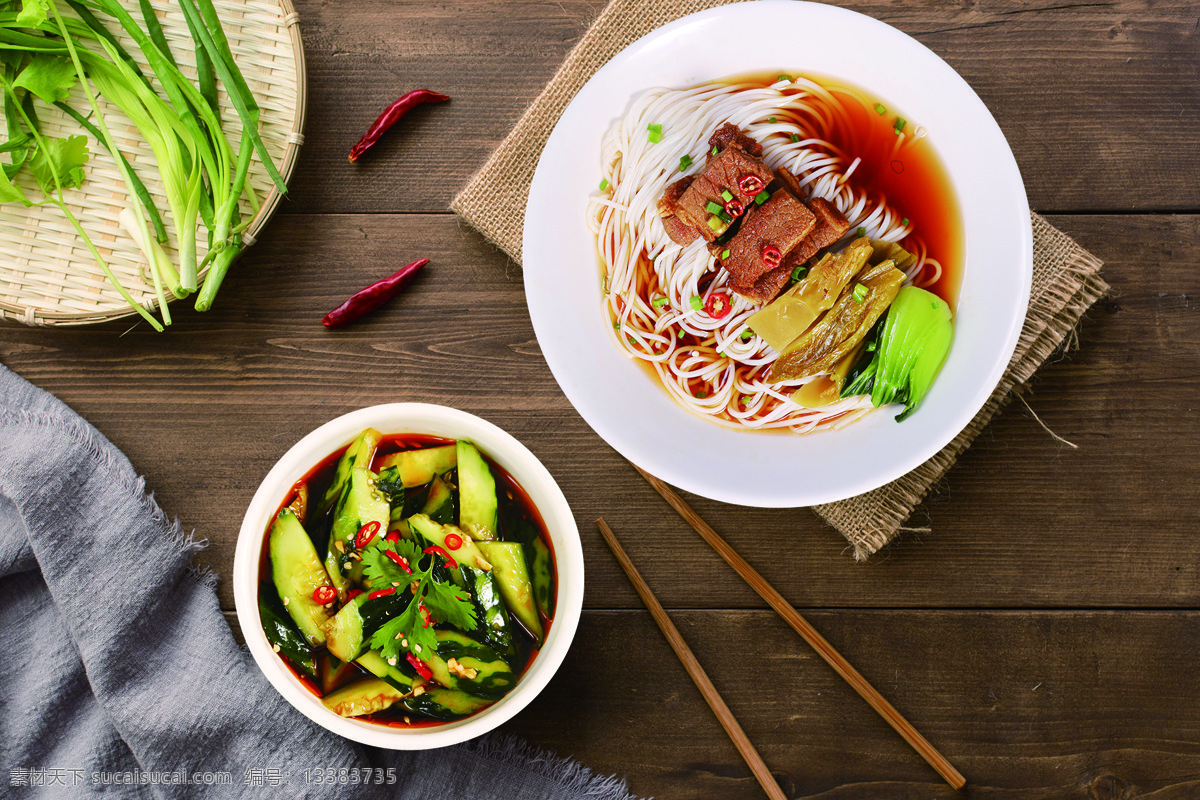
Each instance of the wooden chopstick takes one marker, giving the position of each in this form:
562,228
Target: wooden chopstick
824,649
697,673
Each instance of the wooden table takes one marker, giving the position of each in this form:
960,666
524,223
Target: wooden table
1044,636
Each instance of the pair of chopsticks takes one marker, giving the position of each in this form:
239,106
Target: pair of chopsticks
793,618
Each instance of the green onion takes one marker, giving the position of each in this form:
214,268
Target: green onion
701,395
934,305
744,399
761,197
799,272
684,162
724,254
679,333
617,325
880,109
658,302
795,137
726,195
716,224
696,302
722,355
714,151
724,217
899,124
713,207
860,292
747,335
771,120
603,184
904,222
861,232
782,78
655,135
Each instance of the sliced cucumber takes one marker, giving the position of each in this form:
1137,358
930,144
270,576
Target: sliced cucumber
333,673
494,628
467,553
445,704
366,696
477,508
493,677
439,506
508,562
362,503
418,467
348,634
281,630
541,571
359,454
402,676
297,573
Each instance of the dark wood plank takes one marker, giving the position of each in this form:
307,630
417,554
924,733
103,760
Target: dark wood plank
1029,705
1021,521
1099,100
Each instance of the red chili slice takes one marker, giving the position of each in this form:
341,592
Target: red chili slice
734,208
450,562
393,537
382,593
717,305
400,560
353,594
419,666
750,184
366,533
453,541
324,594
771,256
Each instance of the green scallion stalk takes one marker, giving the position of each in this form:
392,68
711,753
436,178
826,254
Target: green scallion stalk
658,302
724,254
771,120
726,195
861,232
696,302
859,293
762,197
879,109
685,161
603,184
655,133
713,207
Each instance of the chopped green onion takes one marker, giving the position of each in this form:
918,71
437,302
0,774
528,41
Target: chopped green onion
603,184
724,254
722,355
860,292
761,197
714,151
934,305
701,395
747,335
782,78
861,232
904,222
696,302
799,272
679,333
684,162
655,135
713,207
724,217
795,137
771,120
899,124
744,399
880,109
716,224
726,195
658,302
617,325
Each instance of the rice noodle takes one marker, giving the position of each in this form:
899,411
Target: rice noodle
712,371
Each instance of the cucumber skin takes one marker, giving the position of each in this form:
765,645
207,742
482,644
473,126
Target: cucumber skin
281,629
296,573
512,573
445,705
478,509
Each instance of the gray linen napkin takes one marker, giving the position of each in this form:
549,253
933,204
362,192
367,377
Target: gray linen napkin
116,664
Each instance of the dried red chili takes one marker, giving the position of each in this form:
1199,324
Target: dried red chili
366,533
324,594
419,666
717,305
382,593
771,256
390,116
366,300
450,562
750,185
399,559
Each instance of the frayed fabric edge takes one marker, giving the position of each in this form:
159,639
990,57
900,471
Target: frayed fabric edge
573,777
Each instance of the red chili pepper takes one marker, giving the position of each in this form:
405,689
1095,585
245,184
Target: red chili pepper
425,613
771,256
453,541
390,116
750,184
399,559
324,594
717,305
382,593
450,562
366,300
366,533
353,594
419,666
734,208
393,537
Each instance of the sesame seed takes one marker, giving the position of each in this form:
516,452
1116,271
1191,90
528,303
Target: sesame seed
392,661
417,647
418,691
398,635
275,647
404,642
407,721
340,545
286,600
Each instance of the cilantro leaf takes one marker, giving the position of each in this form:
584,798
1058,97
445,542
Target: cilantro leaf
10,192
33,13
448,603
64,157
49,76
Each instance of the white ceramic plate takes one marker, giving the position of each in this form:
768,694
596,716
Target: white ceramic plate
627,406
396,418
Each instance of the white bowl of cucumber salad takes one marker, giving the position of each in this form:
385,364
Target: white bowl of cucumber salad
457,519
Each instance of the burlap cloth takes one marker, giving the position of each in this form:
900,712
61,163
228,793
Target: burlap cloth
1066,278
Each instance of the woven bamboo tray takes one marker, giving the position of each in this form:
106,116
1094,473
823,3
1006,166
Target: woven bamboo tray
47,275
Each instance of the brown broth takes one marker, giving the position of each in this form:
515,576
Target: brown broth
514,503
